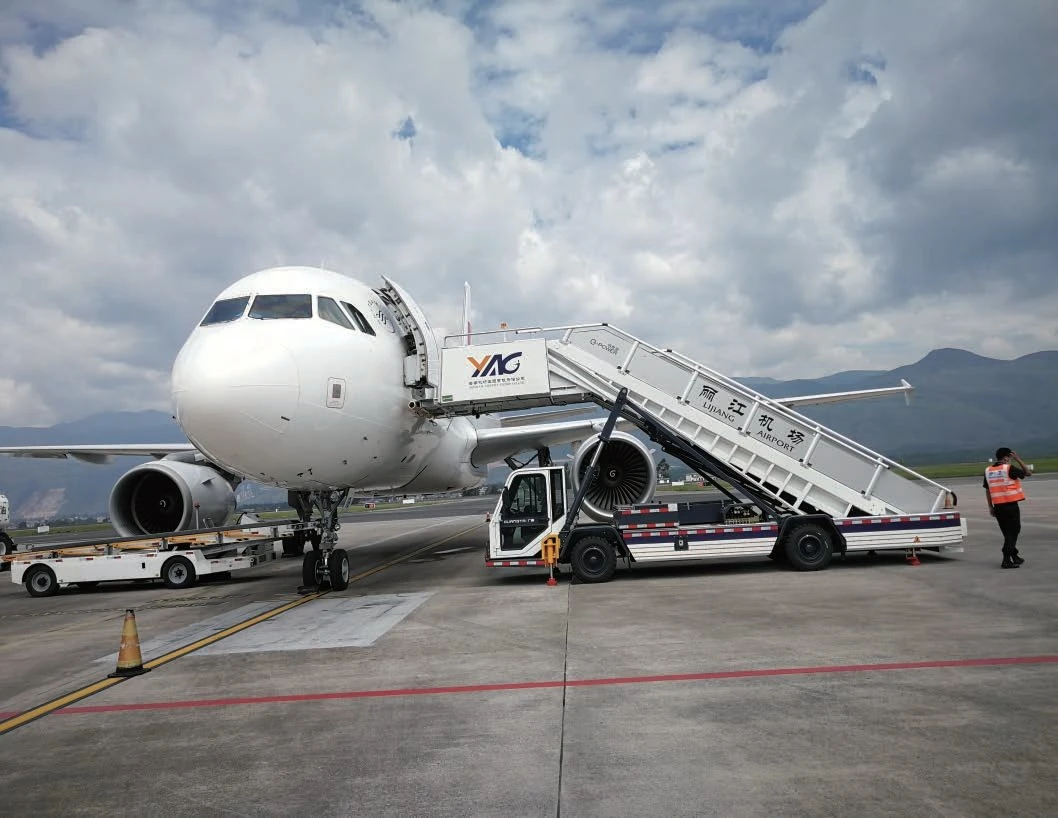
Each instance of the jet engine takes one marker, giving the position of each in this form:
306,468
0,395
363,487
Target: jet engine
627,474
161,497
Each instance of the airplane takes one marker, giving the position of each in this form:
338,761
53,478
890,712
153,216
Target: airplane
305,379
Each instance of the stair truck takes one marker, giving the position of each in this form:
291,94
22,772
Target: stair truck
535,522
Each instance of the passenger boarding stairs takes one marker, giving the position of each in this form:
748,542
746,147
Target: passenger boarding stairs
809,467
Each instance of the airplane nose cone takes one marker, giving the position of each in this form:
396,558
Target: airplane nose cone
232,399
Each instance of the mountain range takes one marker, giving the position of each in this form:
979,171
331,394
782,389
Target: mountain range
963,407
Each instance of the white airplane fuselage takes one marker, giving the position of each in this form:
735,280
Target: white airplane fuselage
307,403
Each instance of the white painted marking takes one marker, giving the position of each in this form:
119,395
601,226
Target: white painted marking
154,648
331,622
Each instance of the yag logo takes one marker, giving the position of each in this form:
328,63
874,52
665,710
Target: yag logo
492,366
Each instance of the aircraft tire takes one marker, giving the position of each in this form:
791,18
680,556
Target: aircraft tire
338,569
308,568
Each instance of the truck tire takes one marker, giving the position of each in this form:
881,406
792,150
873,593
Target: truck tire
40,581
809,547
593,559
178,572
338,569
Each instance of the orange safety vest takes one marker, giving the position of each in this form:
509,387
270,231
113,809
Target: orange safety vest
1001,488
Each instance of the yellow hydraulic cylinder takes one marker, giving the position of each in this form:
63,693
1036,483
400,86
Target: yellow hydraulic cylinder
549,549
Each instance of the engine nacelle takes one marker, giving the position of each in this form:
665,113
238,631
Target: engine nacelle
160,497
627,474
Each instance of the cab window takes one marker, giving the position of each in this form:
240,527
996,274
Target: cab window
281,306
328,310
358,316
528,495
225,310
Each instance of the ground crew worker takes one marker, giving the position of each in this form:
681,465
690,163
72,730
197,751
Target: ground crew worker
1003,491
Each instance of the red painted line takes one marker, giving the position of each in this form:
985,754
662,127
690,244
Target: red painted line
543,685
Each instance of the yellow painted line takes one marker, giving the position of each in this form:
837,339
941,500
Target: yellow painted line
56,704
42,710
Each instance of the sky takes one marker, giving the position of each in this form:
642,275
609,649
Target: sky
785,188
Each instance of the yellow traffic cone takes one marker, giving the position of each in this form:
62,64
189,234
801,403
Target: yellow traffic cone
130,662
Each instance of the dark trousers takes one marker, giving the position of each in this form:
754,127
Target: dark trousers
1008,515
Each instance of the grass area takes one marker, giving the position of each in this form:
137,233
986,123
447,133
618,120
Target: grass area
286,513
81,528
283,514
1041,465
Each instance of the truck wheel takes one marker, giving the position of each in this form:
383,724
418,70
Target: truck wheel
178,572
593,560
809,547
309,567
40,581
338,569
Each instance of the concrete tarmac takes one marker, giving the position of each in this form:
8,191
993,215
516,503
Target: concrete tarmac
436,687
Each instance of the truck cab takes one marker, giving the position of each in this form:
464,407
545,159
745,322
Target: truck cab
531,506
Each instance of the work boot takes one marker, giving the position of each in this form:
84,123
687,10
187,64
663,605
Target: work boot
1008,563
1017,560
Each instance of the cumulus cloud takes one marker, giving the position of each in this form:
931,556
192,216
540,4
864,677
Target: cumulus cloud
783,189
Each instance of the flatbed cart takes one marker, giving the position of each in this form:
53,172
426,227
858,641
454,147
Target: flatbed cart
177,559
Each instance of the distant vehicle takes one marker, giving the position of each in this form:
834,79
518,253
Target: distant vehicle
7,545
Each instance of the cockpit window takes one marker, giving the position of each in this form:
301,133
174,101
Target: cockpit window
328,310
282,306
358,316
225,310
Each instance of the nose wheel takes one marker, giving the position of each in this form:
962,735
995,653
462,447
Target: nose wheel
321,570
323,566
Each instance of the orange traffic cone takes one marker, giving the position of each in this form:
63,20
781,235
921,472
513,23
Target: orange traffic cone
130,662
911,557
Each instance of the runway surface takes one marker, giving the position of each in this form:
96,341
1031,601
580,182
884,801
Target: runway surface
434,686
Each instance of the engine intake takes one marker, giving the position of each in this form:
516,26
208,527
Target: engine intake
160,497
627,474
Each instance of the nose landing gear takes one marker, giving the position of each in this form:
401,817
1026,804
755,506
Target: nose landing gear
324,566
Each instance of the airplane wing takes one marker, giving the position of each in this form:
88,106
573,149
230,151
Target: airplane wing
99,453
904,389
508,421
496,444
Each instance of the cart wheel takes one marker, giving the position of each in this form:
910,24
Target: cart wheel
593,560
309,566
40,581
338,569
809,547
178,572
293,546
